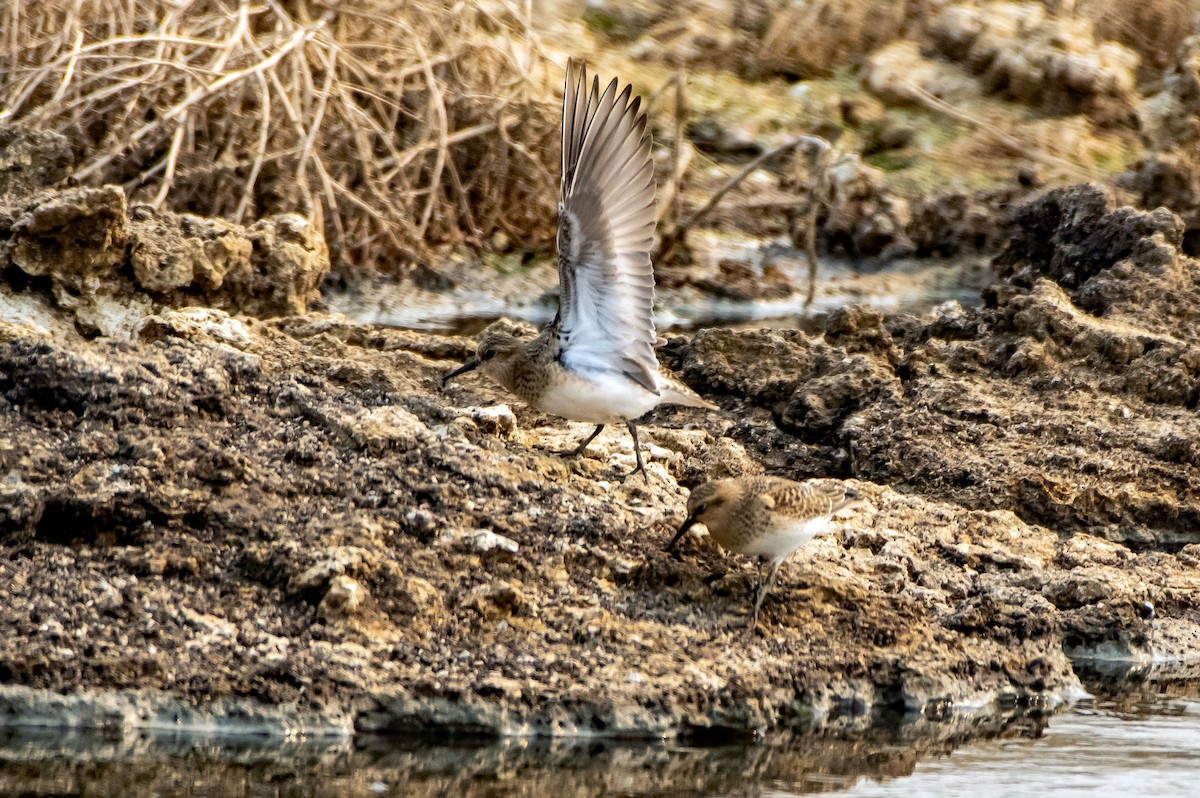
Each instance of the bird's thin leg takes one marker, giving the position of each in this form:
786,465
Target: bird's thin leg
637,451
578,450
763,588
754,593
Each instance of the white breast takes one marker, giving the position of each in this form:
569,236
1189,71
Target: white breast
603,397
784,537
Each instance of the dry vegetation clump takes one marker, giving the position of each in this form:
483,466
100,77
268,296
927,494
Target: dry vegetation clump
1153,28
798,39
1022,53
813,38
403,126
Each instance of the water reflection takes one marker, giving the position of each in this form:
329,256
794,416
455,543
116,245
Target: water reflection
1136,737
804,764
1132,692
51,763
1139,743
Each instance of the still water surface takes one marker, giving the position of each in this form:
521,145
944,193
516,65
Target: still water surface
1140,742
907,286
1096,749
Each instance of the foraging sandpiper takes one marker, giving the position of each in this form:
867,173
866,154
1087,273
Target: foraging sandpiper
768,517
595,362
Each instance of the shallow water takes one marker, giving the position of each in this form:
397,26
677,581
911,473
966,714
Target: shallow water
530,294
1140,742
1095,749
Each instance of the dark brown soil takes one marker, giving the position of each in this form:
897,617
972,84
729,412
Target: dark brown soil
230,513
1070,397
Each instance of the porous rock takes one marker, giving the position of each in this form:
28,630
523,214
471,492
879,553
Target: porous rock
1021,52
111,265
1068,398
222,493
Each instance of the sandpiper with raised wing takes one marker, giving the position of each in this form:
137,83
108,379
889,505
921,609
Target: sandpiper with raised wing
595,362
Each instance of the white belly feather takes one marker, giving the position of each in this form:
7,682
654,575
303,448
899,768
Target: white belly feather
601,397
785,537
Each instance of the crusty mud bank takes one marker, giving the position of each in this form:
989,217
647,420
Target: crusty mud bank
293,514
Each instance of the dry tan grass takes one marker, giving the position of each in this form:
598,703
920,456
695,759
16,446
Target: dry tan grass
1153,28
404,126
812,38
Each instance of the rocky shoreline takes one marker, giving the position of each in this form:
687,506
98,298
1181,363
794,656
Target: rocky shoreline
208,516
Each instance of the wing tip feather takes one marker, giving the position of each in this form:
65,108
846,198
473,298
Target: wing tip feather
608,150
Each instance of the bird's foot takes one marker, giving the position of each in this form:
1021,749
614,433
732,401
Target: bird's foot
752,627
571,454
640,468
637,453
583,444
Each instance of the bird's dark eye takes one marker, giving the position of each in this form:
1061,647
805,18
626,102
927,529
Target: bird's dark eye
488,354
699,510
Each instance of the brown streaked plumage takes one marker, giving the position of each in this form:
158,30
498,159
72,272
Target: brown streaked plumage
595,362
767,517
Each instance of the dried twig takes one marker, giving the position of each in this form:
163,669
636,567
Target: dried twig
197,96
818,195
681,152
403,124
1005,141
672,239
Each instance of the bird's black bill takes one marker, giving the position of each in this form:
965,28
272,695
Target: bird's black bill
687,524
470,365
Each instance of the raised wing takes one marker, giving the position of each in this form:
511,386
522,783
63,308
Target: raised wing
605,231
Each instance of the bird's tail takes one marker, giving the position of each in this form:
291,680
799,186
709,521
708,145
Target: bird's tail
851,499
674,392
682,395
